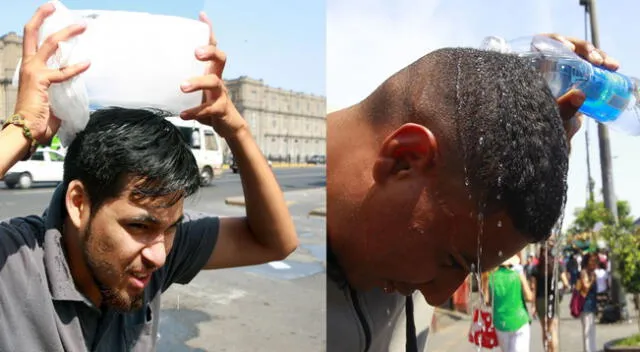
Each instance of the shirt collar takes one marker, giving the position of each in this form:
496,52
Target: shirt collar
61,282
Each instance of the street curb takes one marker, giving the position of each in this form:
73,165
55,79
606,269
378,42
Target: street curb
319,212
285,166
237,201
240,202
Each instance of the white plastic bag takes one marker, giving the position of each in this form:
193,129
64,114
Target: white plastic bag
137,60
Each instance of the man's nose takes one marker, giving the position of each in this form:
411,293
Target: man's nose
155,254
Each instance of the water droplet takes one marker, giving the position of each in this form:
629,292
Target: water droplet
480,216
499,196
500,254
470,214
499,223
481,140
466,182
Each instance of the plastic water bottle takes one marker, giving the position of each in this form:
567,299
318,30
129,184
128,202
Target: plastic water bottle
611,98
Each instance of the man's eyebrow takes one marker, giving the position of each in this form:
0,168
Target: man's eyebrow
145,218
148,218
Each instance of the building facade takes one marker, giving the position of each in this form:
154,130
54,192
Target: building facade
10,53
288,126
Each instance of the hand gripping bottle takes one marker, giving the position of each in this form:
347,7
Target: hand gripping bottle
611,98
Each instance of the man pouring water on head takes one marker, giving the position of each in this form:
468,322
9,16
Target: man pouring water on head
457,162
88,274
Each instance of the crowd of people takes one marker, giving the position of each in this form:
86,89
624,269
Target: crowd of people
519,293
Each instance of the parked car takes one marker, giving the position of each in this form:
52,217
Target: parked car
317,159
45,165
206,147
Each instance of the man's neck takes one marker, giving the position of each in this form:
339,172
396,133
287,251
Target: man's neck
77,264
351,151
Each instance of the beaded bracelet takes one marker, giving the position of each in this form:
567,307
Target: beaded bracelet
18,120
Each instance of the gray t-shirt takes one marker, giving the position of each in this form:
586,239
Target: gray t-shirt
371,321
41,309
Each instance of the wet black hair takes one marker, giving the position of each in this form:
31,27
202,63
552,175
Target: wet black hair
497,125
120,145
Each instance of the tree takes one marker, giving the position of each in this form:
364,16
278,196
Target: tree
622,242
594,212
625,246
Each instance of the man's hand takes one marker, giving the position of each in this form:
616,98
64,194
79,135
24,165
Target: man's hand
216,109
35,77
570,102
267,232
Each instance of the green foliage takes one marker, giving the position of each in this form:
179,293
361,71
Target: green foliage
623,239
630,341
625,246
594,212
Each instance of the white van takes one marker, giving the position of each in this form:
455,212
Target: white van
206,146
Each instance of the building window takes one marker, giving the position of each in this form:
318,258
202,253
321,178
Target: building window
210,142
274,122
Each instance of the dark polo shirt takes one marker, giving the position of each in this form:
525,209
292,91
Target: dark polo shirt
41,309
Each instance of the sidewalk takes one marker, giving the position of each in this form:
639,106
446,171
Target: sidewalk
451,329
311,201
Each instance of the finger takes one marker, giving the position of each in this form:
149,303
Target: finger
561,39
587,51
31,29
65,73
205,111
217,56
212,37
207,82
570,103
609,62
50,44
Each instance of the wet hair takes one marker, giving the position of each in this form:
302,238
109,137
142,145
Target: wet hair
498,128
121,146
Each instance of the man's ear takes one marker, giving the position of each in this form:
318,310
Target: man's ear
411,147
78,205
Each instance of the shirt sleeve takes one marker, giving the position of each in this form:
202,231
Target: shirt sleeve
193,244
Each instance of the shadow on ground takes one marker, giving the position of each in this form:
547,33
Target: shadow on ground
177,327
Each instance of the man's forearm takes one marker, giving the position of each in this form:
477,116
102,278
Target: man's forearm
267,213
13,146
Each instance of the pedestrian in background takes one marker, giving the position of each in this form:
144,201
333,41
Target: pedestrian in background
508,293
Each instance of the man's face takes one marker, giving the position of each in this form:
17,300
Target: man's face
421,239
124,242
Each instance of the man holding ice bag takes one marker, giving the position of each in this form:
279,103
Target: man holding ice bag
88,274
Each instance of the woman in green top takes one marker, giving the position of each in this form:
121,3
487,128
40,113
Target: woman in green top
509,290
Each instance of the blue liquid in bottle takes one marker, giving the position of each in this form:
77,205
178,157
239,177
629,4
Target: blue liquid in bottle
607,95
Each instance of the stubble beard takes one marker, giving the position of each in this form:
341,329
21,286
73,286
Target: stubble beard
120,300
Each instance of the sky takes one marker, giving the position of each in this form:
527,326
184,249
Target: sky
370,40
281,42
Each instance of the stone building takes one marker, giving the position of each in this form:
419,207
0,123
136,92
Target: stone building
10,53
288,126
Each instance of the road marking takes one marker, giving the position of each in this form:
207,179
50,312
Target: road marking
280,265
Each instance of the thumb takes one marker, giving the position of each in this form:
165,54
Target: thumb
570,103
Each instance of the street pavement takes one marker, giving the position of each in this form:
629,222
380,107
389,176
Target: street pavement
451,331
279,306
